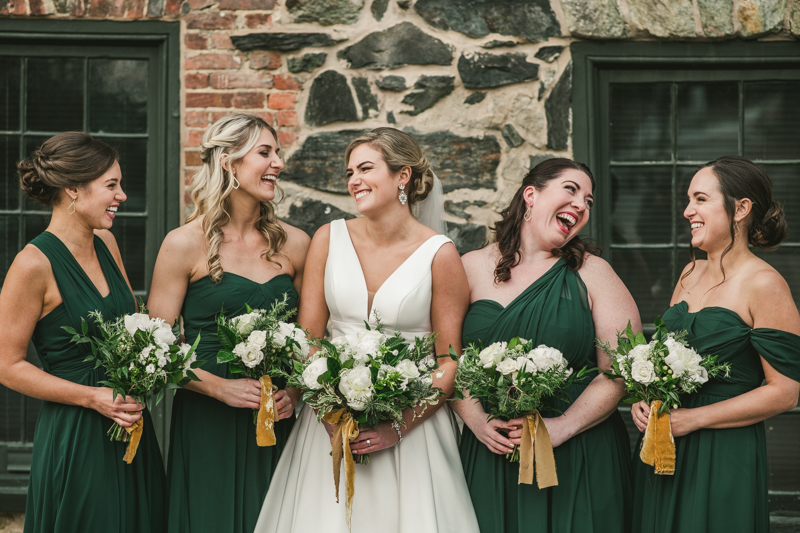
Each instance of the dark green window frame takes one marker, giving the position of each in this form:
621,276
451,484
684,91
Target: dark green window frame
159,42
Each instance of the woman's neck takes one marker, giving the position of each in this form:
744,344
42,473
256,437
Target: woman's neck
738,253
244,215
71,230
390,226
531,250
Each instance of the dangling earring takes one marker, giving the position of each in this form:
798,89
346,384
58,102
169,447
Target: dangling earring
528,214
72,206
402,196
235,182
736,227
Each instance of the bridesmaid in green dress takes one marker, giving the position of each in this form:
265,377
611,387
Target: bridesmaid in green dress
539,281
232,251
738,307
78,480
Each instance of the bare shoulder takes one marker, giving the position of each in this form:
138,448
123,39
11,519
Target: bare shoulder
765,283
322,235
188,238
770,299
596,271
110,241
447,256
477,261
30,264
296,239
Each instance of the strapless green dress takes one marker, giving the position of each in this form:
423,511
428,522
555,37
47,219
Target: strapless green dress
78,480
594,482
721,478
217,474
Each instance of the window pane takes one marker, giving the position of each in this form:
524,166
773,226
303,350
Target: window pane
34,225
32,143
648,275
684,177
9,245
9,180
771,115
133,163
9,93
130,235
117,96
55,94
640,129
10,415
641,201
786,190
708,124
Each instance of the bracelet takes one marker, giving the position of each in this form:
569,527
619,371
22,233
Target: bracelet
396,427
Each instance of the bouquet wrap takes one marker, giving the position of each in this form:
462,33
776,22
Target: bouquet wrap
265,427
134,435
536,453
658,445
345,430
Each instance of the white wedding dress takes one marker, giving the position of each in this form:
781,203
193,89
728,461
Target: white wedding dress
416,487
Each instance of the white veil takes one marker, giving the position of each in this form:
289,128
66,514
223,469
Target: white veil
430,211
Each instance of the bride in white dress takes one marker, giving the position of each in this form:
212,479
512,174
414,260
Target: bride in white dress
412,276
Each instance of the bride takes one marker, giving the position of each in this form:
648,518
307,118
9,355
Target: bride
390,263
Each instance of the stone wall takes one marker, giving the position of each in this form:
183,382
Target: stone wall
484,84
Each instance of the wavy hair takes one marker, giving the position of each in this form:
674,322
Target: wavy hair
508,230
224,145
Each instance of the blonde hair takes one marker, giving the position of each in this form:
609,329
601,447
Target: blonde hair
399,149
224,144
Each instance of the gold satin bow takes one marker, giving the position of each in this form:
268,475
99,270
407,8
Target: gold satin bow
536,453
658,444
265,425
345,430
135,435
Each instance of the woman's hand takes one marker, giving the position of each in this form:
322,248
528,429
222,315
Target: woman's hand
116,409
682,422
556,427
640,412
240,393
284,404
491,434
380,437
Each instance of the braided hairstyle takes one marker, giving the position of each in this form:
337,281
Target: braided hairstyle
67,160
508,230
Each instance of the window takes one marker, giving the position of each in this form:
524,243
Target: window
645,116
118,82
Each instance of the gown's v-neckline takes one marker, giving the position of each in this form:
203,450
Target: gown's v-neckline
371,308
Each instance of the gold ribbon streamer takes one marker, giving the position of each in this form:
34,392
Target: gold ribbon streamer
135,433
658,445
265,425
345,430
536,453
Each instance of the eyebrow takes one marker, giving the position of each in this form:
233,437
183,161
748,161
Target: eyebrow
361,165
577,186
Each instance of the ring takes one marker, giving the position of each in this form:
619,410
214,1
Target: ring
369,443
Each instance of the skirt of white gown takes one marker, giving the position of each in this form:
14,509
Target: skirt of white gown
417,487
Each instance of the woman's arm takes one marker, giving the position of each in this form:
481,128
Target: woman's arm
22,301
313,313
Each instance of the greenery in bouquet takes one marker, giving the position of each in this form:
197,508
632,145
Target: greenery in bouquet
513,379
663,369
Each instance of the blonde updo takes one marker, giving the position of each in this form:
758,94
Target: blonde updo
399,149
224,145
69,159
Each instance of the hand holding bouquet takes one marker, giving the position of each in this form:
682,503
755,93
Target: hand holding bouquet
362,381
658,373
141,357
514,379
261,345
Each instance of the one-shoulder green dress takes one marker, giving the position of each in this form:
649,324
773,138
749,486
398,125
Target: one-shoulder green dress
594,483
721,479
217,474
79,481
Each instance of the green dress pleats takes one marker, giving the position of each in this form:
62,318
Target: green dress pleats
78,480
217,474
721,478
594,485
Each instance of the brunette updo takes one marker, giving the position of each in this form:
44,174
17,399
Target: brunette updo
399,149
508,230
70,159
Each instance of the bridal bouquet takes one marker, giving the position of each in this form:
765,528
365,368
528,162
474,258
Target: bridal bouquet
659,372
514,379
360,381
262,345
141,357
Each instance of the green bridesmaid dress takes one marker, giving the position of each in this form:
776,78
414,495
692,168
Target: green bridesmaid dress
721,478
78,480
217,474
594,484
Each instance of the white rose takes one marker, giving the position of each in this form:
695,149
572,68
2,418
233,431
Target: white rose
407,369
356,386
368,343
492,354
164,335
699,376
507,366
244,324
545,357
137,321
252,356
640,353
313,371
240,350
643,372
526,364
258,338
300,336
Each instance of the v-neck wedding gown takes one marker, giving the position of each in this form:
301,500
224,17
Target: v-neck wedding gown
416,487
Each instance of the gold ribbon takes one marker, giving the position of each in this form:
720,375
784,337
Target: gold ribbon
265,425
135,435
536,453
345,430
658,445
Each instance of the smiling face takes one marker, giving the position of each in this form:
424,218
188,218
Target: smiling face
258,170
561,209
370,182
706,212
98,200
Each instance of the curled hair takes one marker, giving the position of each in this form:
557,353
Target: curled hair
224,145
508,230
766,225
399,149
69,159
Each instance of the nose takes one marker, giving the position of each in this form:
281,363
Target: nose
277,162
121,196
689,212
